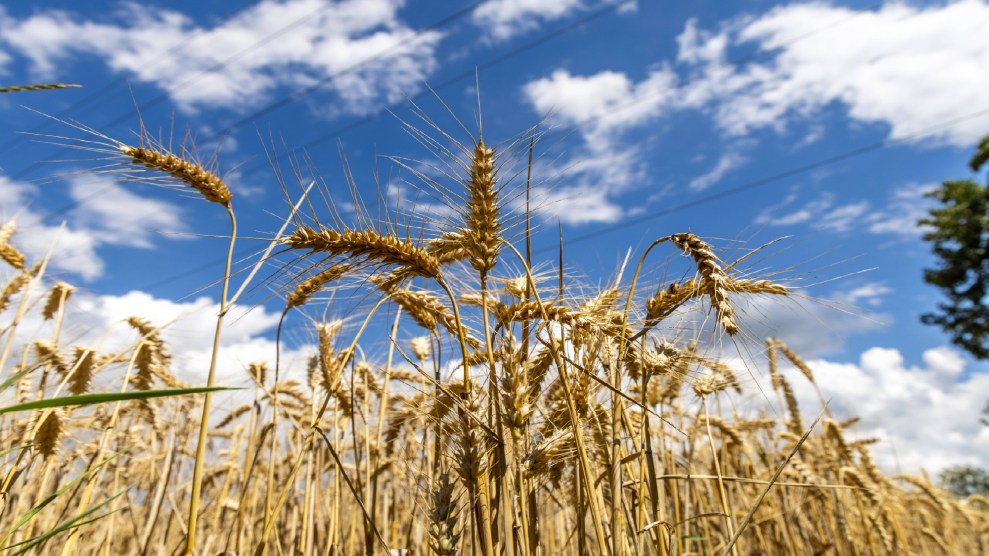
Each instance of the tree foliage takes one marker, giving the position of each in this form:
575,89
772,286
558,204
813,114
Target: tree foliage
959,238
965,480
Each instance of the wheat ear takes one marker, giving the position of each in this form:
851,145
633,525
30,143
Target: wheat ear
208,184
366,244
714,280
444,521
8,252
49,432
482,239
39,87
310,286
60,292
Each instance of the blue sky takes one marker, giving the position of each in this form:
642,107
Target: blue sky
739,121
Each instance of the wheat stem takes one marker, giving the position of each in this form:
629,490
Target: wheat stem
197,474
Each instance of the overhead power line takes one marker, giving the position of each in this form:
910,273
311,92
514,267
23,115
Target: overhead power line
715,196
282,102
152,61
762,182
72,205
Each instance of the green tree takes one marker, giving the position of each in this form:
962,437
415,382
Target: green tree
965,480
959,238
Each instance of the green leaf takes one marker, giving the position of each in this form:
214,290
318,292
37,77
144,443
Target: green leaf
77,521
13,449
87,399
14,378
35,510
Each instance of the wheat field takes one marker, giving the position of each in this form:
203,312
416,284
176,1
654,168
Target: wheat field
586,420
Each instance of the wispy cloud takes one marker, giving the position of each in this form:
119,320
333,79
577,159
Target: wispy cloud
728,162
119,217
500,20
240,62
898,216
906,206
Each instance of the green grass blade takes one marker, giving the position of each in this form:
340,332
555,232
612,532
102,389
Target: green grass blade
14,378
13,449
77,521
87,399
35,510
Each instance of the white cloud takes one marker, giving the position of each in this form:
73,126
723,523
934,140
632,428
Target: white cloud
118,218
926,416
579,204
189,333
813,323
503,19
812,326
770,216
500,20
907,67
871,293
604,103
98,321
602,107
907,205
240,62
898,216
841,219
727,163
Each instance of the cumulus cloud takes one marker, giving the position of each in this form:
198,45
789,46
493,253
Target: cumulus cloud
605,103
243,60
119,217
503,19
188,331
880,64
926,415
602,107
98,321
